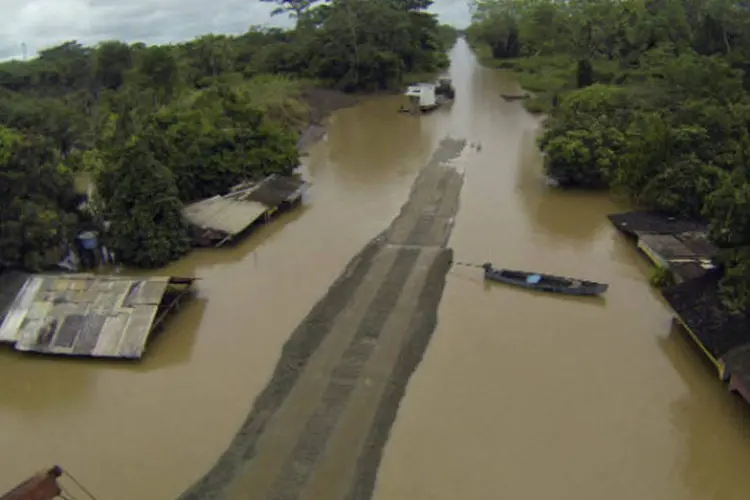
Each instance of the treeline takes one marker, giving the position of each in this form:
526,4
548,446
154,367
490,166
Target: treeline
649,97
159,126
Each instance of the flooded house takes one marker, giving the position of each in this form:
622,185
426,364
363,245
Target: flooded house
221,219
90,315
678,245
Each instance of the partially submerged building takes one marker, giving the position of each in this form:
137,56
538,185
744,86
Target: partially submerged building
222,218
683,247
722,335
670,243
90,315
699,310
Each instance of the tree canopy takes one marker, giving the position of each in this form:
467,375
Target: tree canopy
648,97
159,126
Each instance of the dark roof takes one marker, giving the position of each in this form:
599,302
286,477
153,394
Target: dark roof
10,284
737,362
654,222
698,304
687,270
698,242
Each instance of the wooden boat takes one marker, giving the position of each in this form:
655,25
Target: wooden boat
509,97
41,486
543,282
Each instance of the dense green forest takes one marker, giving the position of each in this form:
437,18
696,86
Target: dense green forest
648,97
159,126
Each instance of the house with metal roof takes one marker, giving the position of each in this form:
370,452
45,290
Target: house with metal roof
90,315
222,218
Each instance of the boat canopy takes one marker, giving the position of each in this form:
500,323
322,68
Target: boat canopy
418,89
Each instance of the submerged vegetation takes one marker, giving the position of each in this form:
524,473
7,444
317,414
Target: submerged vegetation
158,126
649,97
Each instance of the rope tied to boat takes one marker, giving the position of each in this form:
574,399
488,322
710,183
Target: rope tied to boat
69,496
468,264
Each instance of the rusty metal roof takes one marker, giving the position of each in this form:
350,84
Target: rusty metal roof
84,315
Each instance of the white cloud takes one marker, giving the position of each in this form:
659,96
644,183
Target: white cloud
44,23
455,12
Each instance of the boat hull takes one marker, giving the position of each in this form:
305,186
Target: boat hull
545,282
42,486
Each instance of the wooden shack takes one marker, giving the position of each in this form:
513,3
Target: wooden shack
223,218
698,308
90,315
681,246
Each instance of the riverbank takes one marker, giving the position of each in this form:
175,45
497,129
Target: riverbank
547,79
321,103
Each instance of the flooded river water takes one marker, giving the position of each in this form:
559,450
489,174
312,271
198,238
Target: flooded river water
518,395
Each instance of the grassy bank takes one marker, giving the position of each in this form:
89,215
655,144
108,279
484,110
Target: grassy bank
544,77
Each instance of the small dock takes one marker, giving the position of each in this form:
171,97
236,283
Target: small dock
222,219
90,315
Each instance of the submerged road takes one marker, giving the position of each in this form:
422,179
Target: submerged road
317,429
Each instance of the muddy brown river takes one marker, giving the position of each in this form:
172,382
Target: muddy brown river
518,395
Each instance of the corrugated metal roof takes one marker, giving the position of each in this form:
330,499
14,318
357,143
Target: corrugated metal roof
231,216
276,189
653,222
668,246
88,315
221,218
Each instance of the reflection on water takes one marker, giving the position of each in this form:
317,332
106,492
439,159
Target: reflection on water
704,440
520,395
526,395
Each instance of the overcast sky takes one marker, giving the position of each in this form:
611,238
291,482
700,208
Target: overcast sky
45,23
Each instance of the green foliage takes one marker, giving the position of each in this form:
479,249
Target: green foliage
186,120
37,201
216,140
667,120
142,206
278,97
112,61
661,277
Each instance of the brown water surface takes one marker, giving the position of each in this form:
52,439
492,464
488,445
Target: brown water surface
519,395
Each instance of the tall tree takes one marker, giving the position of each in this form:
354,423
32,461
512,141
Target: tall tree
142,206
37,202
295,8
112,60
